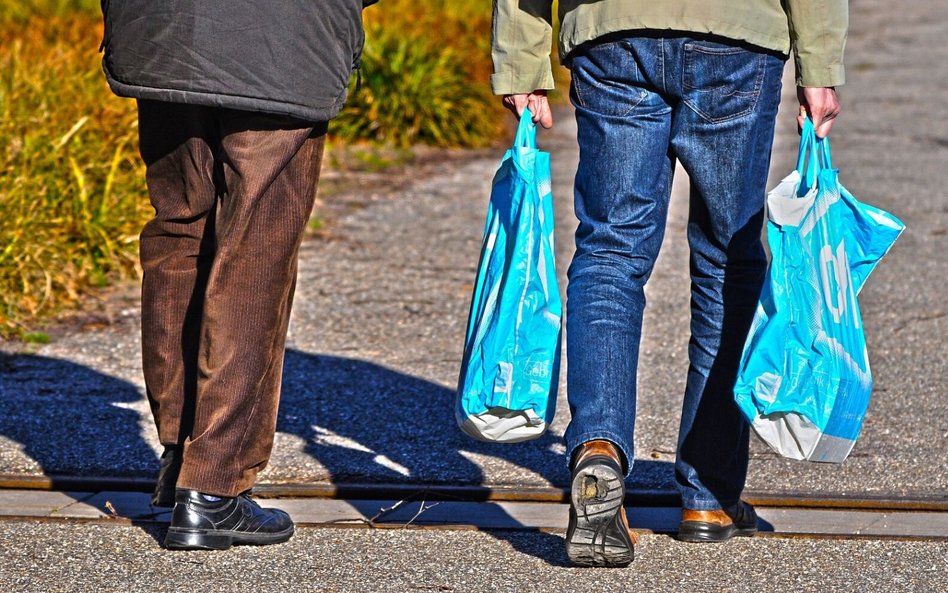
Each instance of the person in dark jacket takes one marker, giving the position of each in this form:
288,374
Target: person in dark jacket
234,100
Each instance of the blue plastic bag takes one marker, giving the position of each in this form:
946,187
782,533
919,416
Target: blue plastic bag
509,374
804,381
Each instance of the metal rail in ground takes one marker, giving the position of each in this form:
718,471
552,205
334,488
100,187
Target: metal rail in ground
420,510
937,502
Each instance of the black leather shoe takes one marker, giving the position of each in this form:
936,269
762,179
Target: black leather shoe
598,533
718,525
168,470
202,522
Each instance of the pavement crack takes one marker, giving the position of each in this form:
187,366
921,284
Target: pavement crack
868,528
80,498
389,510
920,319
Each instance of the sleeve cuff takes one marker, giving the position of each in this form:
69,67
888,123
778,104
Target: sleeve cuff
818,76
511,81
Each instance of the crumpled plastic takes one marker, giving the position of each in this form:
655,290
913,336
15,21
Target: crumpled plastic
509,375
804,382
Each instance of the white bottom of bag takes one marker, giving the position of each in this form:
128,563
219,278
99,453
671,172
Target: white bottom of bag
500,425
793,436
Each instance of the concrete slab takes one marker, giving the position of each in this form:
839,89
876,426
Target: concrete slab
32,503
136,508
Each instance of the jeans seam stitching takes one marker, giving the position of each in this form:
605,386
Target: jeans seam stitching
579,95
583,103
662,61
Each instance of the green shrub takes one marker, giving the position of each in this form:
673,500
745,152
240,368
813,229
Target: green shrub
425,71
415,92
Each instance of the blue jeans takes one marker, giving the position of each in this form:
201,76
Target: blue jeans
641,103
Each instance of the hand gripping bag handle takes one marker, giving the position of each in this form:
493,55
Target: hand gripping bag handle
818,151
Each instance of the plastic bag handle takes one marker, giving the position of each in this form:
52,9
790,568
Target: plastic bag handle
818,150
526,131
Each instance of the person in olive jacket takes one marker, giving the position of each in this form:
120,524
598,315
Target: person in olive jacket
233,100
695,82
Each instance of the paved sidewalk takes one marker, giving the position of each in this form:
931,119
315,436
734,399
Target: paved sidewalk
61,558
379,319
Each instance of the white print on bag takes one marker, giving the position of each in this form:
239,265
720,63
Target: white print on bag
838,292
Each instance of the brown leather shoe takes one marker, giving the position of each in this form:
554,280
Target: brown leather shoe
598,532
719,525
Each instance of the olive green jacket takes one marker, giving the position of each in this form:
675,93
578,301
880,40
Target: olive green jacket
522,32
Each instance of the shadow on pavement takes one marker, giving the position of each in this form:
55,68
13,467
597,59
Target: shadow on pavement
72,420
368,423
363,422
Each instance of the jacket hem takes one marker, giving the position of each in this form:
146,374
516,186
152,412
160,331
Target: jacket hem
210,99
571,38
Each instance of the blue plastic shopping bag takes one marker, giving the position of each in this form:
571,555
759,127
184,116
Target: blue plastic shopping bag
804,381
509,374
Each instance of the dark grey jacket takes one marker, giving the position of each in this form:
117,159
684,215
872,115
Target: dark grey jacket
289,57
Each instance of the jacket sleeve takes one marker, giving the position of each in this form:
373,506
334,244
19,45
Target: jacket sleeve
521,40
818,36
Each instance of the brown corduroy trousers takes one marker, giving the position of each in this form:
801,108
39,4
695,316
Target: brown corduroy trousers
232,193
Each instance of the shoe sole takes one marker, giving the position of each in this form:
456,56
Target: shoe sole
212,539
596,535
699,532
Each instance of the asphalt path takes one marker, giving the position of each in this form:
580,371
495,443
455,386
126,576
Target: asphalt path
376,334
69,558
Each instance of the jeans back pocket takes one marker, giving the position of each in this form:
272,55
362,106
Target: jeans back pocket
606,80
721,81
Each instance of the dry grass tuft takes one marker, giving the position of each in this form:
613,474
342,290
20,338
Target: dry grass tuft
71,190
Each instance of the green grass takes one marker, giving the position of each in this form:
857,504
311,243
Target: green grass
26,10
436,101
36,338
72,192
425,70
